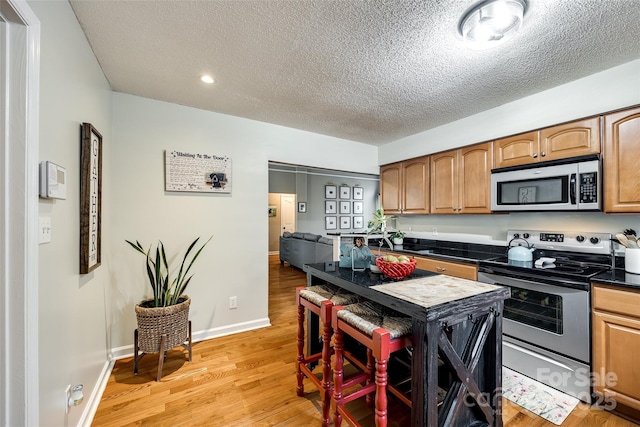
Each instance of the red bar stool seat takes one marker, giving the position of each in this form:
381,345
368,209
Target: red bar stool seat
319,300
382,331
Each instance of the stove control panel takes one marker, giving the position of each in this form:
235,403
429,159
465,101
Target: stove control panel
587,242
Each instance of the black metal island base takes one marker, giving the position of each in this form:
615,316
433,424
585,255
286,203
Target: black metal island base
455,320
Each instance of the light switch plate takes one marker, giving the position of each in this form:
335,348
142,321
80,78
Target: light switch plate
44,229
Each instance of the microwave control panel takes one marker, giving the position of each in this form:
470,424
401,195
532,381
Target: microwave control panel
589,187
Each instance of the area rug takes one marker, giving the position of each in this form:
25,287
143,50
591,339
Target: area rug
542,400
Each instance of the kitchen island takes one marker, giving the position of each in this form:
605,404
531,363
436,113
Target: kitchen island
456,320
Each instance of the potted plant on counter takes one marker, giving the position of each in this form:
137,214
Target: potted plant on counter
397,237
163,321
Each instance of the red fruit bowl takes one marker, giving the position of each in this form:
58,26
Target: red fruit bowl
396,270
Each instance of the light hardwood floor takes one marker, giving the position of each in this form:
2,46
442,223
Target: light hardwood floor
248,379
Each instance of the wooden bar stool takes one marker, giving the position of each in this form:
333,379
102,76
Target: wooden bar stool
382,331
319,300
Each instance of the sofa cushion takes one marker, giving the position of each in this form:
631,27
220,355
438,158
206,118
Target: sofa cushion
311,237
286,234
298,235
326,240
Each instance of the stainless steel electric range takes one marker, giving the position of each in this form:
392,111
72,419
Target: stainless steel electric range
547,322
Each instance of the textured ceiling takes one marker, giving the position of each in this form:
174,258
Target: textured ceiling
371,71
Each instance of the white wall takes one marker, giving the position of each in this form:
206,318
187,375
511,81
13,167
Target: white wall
611,89
72,307
235,262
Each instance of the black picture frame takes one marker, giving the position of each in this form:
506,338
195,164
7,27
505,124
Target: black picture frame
330,207
302,207
90,198
358,193
345,192
330,222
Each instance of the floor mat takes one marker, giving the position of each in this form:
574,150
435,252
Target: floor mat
542,400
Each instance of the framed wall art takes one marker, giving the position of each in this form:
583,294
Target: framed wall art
358,193
358,207
90,198
197,172
330,192
345,207
330,207
273,210
358,222
302,207
330,222
345,192
345,222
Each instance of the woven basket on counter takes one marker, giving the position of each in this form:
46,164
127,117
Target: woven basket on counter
396,270
153,322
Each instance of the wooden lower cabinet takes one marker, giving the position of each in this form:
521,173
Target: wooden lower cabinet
464,271
616,345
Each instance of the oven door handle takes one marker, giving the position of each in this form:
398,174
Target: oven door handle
536,355
572,188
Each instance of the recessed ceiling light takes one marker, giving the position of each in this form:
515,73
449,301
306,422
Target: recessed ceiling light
491,22
207,78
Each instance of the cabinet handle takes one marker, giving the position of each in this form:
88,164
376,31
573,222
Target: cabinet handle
441,269
543,154
534,155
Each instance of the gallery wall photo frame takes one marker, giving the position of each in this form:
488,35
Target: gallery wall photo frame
330,207
358,193
358,222
345,222
358,207
90,198
345,192
330,192
302,207
345,207
330,222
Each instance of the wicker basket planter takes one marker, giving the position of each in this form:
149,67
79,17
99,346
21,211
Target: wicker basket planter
161,329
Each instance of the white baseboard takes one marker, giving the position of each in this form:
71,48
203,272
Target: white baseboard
127,350
96,395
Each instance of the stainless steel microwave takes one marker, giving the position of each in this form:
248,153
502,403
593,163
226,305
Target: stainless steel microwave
560,185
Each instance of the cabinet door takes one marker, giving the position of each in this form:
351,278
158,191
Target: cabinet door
415,186
463,271
390,187
444,183
616,344
570,139
621,165
516,150
474,178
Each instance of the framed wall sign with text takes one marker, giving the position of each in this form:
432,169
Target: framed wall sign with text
90,198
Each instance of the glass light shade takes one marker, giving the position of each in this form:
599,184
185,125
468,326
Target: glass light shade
491,22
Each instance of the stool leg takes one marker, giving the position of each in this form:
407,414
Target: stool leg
338,347
326,369
371,372
381,393
300,358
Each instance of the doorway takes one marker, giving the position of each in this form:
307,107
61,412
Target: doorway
282,217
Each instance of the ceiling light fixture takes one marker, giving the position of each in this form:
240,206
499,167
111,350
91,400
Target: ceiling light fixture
207,78
491,22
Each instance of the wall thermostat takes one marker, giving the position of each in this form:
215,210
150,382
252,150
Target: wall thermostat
53,181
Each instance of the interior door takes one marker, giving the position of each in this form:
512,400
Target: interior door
288,215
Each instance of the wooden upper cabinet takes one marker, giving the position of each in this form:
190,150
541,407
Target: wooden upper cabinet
390,187
404,186
516,150
621,166
557,142
461,180
570,139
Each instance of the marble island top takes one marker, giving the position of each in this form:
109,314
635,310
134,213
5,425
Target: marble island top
434,290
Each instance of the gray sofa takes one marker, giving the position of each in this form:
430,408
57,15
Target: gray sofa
299,249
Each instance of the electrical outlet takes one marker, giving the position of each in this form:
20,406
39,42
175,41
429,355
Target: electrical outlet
45,229
233,302
434,231
67,397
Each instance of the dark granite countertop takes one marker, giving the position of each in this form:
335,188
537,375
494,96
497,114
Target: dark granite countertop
445,250
618,277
